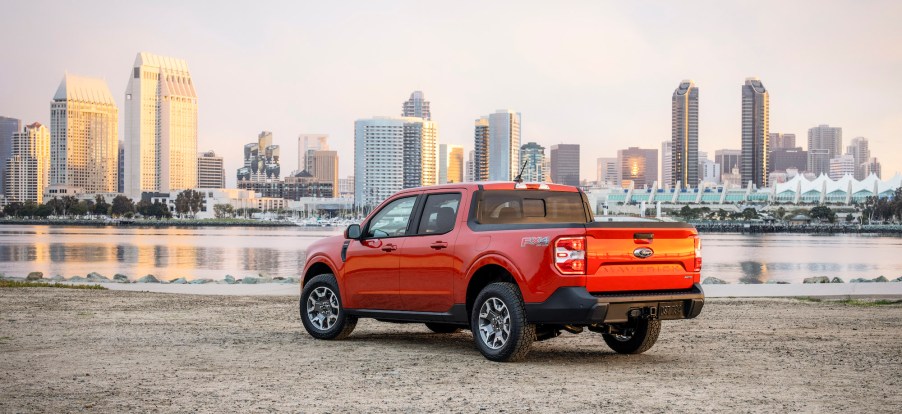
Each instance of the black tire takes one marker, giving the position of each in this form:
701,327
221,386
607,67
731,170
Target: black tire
442,328
326,301
520,334
642,338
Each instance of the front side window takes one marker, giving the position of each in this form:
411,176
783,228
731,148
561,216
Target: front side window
392,220
439,213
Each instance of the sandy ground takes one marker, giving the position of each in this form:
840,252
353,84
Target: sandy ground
106,351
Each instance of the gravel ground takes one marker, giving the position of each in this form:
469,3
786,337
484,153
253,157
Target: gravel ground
71,351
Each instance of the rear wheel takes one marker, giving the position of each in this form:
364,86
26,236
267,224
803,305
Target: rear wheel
321,311
635,339
499,324
442,328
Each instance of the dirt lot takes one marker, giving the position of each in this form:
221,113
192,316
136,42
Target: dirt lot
104,351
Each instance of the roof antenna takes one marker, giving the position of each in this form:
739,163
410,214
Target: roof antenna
519,178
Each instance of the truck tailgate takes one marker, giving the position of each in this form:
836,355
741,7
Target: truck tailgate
640,256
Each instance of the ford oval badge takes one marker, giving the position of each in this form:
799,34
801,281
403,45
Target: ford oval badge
643,252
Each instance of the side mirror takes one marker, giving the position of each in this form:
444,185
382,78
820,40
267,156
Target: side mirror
353,232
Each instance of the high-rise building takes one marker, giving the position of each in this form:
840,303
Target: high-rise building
534,156
416,106
824,144
754,164
779,140
565,164
261,160
871,166
308,143
728,160
783,159
346,187
702,161
710,172
609,172
684,134
84,135
210,171
323,165
666,163
160,126
481,149
120,170
450,163
28,166
471,166
8,126
859,150
391,153
842,165
638,165
504,145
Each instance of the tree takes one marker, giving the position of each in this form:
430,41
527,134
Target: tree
56,206
188,202
13,209
223,210
823,213
781,212
101,207
155,209
69,202
43,211
749,214
122,205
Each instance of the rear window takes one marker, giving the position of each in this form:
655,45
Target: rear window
529,206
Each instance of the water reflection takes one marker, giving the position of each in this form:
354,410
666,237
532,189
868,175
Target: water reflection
753,272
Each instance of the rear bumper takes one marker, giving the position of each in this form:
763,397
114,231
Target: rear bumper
576,306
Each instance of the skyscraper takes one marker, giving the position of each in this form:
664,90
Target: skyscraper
778,140
8,126
871,166
637,165
323,165
824,144
450,163
728,160
261,160
310,142
842,165
481,149
754,165
609,171
420,146
84,135
470,166
666,164
504,145
565,164
391,153
535,167
416,106
28,166
783,159
120,169
684,134
859,150
160,126
210,171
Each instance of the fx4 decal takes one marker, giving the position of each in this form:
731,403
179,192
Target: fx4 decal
534,241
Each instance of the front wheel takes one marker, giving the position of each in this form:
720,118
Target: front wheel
499,324
321,311
636,339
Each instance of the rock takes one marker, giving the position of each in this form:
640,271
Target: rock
860,280
278,278
58,278
837,280
148,279
250,280
97,277
229,279
898,279
34,276
880,279
179,281
817,279
713,281
286,280
201,281
777,282
78,279
120,278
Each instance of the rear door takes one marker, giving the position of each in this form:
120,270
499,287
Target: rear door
428,267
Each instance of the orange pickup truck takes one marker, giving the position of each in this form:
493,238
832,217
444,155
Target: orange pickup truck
512,262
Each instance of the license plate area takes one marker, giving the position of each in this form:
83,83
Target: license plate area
671,310
623,312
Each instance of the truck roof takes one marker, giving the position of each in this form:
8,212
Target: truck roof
497,185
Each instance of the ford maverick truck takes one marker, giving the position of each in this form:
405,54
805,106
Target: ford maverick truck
512,262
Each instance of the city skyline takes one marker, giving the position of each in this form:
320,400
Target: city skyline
289,98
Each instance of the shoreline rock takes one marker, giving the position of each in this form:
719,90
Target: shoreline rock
713,281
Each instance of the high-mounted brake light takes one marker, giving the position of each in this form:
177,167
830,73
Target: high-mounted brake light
698,254
531,186
570,255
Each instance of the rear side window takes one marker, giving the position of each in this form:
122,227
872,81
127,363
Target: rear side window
439,213
530,206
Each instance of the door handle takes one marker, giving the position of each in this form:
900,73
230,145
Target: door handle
439,245
389,248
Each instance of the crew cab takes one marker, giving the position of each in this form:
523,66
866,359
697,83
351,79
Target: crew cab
511,262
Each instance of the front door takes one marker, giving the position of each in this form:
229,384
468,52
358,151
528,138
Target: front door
428,267
371,265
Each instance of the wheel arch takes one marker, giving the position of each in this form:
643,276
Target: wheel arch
318,266
487,270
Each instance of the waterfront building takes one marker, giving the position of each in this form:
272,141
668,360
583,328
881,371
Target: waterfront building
824,144
684,134
609,172
8,126
450,163
346,187
710,172
84,135
308,143
417,106
871,167
420,146
783,159
728,160
160,126
504,145
702,159
323,164
842,165
392,153
565,164
638,167
261,160
299,185
779,140
666,163
210,171
28,166
535,167
481,149
754,164
859,150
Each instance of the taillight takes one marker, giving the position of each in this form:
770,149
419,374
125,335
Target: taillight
570,255
698,254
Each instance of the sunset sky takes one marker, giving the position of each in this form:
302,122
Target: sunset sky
598,74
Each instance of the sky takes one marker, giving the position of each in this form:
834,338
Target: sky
595,73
